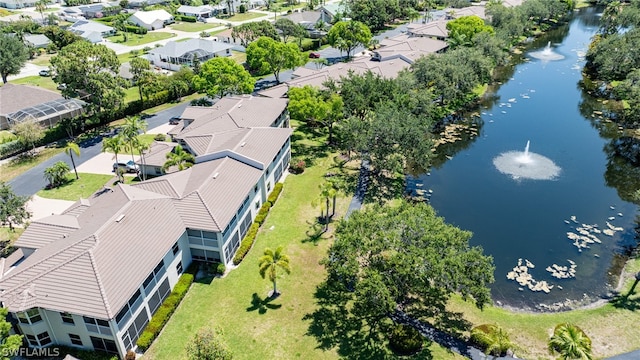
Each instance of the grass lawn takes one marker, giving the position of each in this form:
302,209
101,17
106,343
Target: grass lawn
126,57
245,16
44,82
42,60
135,39
21,164
74,189
5,12
8,235
239,56
194,27
6,136
131,94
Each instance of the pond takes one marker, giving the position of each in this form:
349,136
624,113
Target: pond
533,180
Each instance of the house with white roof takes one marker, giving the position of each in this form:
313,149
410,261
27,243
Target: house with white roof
151,20
175,54
93,276
91,30
198,12
17,4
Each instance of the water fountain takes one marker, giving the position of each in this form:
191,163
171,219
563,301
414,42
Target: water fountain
546,54
526,165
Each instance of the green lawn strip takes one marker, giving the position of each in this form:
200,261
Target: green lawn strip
42,81
6,136
135,39
8,235
246,16
217,31
239,56
131,94
5,12
194,27
142,138
169,105
20,165
42,60
613,330
74,189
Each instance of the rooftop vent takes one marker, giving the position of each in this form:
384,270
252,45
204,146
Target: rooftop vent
119,218
243,144
215,175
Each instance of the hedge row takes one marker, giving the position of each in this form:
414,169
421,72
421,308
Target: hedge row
248,240
246,243
277,189
185,18
167,308
11,148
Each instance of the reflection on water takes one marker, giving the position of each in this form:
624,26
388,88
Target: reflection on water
528,219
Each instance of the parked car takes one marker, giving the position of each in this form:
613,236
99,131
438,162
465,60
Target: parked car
314,55
44,73
129,166
174,120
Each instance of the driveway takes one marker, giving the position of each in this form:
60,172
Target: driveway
31,181
40,207
102,163
28,70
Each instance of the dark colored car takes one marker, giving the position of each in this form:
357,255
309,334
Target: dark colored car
174,120
314,55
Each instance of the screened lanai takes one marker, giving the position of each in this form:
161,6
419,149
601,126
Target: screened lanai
47,113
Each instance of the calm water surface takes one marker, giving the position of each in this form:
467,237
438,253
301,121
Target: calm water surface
525,219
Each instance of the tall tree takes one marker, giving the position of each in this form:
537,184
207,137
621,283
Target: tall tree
266,55
376,14
311,105
269,263
41,7
13,55
570,342
348,35
13,211
139,66
250,31
115,145
29,132
59,36
90,72
327,192
9,344
70,149
289,29
221,76
389,259
469,26
132,127
179,157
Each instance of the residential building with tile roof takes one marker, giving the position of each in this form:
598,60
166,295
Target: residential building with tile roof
94,275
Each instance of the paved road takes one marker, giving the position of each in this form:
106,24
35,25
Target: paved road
33,180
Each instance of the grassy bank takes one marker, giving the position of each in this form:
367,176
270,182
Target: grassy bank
22,164
613,327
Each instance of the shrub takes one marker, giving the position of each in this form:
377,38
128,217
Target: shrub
160,137
186,18
167,308
277,189
297,166
11,148
85,354
246,243
492,339
262,213
242,9
405,340
203,101
220,269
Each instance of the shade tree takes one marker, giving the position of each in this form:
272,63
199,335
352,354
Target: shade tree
13,209
248,32
314,106
348,35
13,55
266,55
221,76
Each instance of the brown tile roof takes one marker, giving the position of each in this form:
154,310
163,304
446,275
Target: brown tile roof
157,153
16,97
277,91
430,29
42,232
88,271
260,144
410,48
469,11
210,192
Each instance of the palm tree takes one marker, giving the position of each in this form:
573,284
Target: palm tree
41,7
70,149
270,262
570,342
132,127
180,158
492,338
327,191
142,147
114,144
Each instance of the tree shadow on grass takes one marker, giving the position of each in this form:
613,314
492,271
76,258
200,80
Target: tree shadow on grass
262,305
315,234
626,302
334,326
